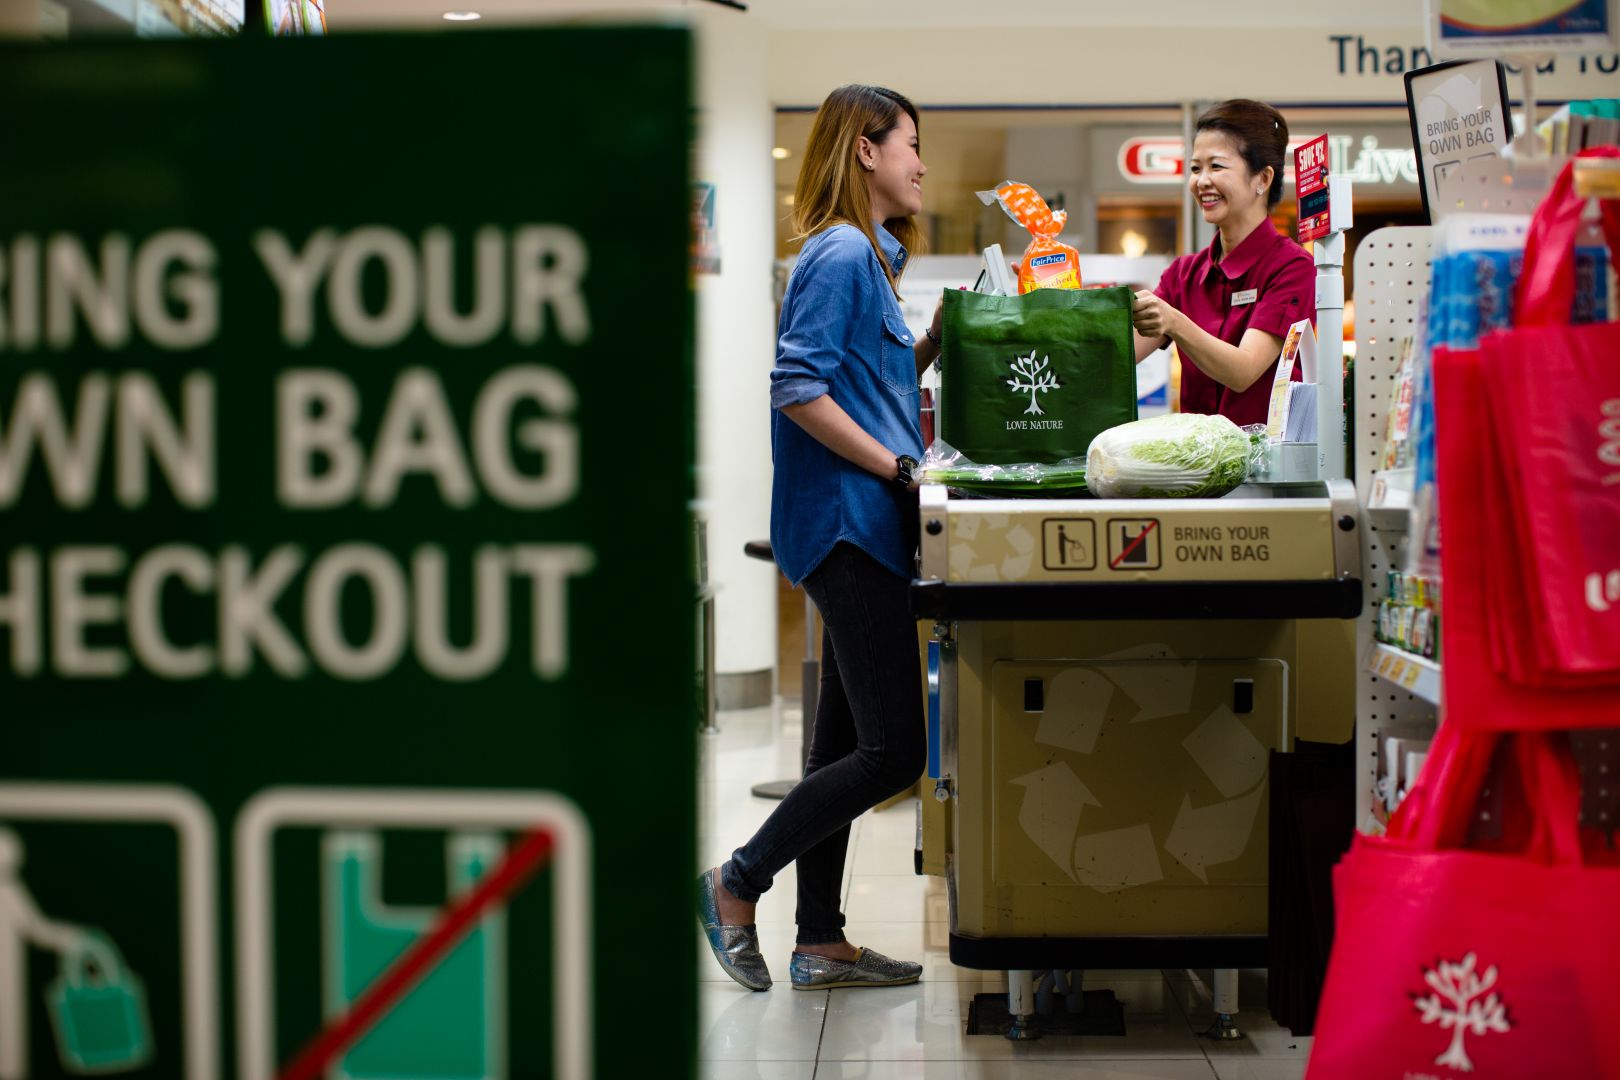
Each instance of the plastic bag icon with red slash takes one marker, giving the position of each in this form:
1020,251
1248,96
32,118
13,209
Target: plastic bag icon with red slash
1048,263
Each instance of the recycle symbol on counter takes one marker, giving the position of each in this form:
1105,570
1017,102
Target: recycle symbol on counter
1055,798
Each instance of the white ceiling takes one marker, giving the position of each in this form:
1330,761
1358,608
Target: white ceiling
917,14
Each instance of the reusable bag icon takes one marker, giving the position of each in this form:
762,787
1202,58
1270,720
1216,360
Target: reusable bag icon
1034,378
98,1011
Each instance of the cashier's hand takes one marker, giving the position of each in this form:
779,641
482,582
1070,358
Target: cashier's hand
1152,316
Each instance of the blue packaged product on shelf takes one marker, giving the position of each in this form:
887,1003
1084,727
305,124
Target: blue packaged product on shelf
1476,263
1436,310
1591,285
1495,273
1422,405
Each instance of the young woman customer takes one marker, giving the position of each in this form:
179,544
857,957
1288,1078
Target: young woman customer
1229,307
845,439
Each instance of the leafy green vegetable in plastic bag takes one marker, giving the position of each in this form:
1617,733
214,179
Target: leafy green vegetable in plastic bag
1180,456
944,464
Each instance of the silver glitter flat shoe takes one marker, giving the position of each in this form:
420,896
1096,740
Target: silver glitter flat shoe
735,947
869,968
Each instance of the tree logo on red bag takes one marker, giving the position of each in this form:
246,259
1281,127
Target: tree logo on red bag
1462,1003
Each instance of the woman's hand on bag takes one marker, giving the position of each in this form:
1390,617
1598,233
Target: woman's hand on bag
1152,316
939,315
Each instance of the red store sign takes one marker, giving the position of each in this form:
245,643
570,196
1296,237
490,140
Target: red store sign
1158,159
1151,161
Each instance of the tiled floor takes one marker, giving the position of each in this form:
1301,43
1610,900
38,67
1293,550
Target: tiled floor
912,1032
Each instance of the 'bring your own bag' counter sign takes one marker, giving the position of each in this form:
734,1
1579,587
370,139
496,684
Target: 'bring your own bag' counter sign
331,527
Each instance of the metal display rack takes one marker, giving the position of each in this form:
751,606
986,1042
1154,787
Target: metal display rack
1392,277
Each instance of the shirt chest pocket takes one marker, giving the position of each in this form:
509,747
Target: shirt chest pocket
898,364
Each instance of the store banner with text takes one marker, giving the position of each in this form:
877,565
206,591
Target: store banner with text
345,459
1151,162
1285,61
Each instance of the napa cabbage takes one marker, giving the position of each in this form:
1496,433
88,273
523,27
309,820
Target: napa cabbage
1179,456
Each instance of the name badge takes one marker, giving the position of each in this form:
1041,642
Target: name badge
1246,296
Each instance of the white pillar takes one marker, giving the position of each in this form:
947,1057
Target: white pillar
736,337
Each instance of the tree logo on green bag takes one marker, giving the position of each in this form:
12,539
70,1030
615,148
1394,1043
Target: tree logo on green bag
1032,379
1460,1002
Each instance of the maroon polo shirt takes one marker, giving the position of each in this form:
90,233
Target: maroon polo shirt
1203,286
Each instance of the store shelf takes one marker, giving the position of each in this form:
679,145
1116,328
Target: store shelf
1389,503
1408,671
1392,283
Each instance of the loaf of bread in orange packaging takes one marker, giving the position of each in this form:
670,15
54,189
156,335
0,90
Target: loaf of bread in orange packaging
1048,262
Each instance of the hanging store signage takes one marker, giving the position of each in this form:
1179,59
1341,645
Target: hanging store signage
1371,158
324,497
1491,28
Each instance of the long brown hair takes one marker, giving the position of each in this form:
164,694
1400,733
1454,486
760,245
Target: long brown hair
832,186
1261,135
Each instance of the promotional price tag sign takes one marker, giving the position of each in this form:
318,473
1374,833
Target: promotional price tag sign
1311,185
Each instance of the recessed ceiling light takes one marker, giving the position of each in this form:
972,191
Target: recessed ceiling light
781,153
462,16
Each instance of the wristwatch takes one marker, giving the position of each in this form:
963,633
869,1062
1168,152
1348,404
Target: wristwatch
905,466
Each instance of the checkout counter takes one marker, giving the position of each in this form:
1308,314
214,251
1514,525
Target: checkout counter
1107,679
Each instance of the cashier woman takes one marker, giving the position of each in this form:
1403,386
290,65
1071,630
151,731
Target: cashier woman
1228,307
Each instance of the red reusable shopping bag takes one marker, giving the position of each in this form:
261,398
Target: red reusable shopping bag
1516,615
1451,962
1554,392
1515,648
1479,691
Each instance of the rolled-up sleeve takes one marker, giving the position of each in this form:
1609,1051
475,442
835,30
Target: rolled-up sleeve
819,316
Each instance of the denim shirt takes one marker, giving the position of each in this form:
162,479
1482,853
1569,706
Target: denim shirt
841,333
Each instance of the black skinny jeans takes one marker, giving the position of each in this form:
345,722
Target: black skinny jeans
867,745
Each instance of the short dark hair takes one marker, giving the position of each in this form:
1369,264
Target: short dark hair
1261,135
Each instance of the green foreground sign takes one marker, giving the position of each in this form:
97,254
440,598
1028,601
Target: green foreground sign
346,649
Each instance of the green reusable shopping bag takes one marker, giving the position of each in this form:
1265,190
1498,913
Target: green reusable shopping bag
98,1010
1035,377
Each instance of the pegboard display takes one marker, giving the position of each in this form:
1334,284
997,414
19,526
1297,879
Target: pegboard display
1487,186
1392,277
